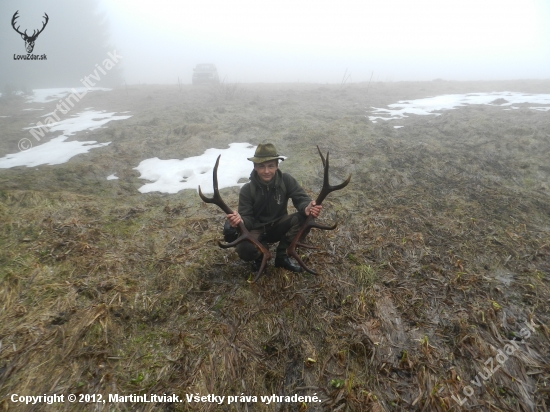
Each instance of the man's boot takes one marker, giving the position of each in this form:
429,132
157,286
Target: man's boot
282,260
256,263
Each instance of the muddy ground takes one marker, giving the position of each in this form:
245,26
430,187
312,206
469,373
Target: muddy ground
441,258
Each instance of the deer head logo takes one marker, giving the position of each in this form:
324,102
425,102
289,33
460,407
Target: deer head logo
29,40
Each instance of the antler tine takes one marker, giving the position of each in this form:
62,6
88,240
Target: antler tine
245,234
43,24
310,220
13,19
216,199
327,188
321,154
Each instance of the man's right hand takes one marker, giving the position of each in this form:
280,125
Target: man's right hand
234,219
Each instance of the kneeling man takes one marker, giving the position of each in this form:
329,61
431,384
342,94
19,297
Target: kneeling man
263,208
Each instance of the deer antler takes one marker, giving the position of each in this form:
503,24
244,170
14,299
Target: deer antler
34,33
15,17
43,26
245,234
310,221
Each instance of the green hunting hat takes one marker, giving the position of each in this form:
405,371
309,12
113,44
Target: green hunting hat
265,153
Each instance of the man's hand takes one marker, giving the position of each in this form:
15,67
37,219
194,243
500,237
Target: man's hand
234,219
313,209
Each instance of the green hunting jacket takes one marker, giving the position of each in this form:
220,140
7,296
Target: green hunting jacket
275,193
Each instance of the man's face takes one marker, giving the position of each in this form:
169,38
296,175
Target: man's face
266,170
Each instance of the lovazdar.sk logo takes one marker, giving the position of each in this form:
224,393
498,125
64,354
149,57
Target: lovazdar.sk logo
29,40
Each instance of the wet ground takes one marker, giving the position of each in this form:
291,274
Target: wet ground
440,260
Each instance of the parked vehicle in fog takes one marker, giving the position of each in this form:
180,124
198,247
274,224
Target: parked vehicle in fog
205,73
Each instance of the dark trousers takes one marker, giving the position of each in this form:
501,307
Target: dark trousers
282,231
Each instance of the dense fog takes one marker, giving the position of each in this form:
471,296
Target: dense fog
284,41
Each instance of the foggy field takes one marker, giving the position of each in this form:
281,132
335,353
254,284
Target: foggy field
440,260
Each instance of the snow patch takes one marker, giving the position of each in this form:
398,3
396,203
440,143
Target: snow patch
87,120
58,150
429,105
173,175
49,95
54,152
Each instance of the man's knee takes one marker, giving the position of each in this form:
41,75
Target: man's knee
295,224
297,220
247,251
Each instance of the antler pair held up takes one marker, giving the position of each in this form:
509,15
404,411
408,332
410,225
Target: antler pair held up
310,220
245,234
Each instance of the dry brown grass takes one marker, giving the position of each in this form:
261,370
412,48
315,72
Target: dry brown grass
441,256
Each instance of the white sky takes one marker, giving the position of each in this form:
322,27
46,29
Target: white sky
316,41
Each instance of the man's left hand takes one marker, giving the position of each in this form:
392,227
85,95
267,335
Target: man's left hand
313,209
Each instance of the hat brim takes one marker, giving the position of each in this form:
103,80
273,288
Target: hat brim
264,159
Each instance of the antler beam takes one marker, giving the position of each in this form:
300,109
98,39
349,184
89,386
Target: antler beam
43,26
245,234
310,220
13,19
